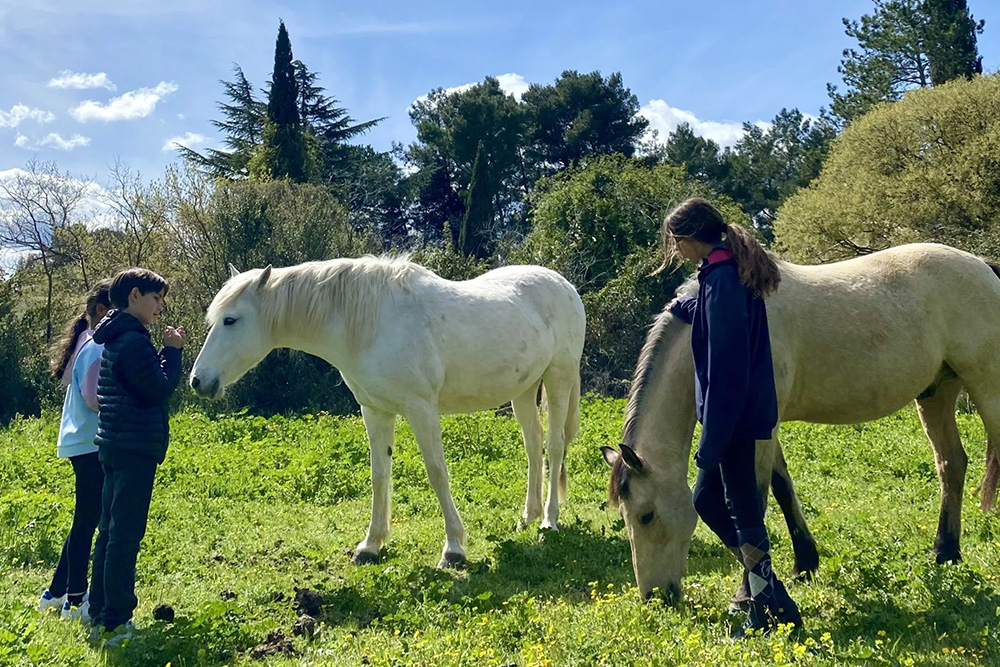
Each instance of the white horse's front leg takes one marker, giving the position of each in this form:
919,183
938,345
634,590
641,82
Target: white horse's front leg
380,427
426,424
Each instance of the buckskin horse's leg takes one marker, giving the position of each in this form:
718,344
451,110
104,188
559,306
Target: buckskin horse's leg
937,414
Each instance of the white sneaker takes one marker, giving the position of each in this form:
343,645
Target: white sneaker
81,612
48,601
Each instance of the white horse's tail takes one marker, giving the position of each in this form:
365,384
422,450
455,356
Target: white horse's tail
570,429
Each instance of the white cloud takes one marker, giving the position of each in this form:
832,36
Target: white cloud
20,113
187,140
134,104
510,83
11,258
665,119
53,140
92,209
513,84
80,81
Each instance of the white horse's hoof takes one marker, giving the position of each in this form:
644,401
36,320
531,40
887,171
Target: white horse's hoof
547,527
523,524
365,558
452,560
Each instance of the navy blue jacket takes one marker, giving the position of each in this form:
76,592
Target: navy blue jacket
133,388
734,374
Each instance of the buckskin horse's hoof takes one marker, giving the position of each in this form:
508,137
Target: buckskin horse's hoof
453,560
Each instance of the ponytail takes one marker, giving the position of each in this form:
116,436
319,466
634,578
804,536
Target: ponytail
757,268
64,346
696,218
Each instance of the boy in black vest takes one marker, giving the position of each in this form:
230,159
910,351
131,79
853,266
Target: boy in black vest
132,434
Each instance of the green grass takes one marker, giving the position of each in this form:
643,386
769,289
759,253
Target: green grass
265,508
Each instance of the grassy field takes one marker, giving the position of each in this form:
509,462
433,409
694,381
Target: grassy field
253,522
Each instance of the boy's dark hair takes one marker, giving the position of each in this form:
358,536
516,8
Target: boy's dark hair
144,279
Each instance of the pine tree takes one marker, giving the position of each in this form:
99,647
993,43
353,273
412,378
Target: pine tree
243,126
951,40
284,153
478,207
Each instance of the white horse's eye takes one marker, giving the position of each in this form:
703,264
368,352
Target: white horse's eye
229,321
646,518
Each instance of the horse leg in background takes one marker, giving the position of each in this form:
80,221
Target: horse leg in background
526,412
937,414
381,432
558,388
803,543
425,421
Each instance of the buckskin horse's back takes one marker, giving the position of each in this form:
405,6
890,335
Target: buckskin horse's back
858,339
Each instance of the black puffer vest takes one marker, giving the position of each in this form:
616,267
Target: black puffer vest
133,388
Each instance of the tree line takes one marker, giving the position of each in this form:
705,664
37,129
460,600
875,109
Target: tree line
567,175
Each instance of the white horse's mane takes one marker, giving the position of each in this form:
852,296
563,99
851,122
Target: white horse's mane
301,298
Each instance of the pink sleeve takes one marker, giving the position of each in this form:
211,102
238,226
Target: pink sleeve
89,387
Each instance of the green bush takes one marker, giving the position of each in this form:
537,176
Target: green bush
926,168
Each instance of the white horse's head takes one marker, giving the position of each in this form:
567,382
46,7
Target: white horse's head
237,339
660,519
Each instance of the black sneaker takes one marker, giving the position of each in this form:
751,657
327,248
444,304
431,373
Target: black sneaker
782,606
757,623
767,611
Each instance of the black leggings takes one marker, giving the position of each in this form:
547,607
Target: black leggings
71,573
727,499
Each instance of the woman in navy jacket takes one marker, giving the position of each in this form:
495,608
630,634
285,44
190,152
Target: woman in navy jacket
734,391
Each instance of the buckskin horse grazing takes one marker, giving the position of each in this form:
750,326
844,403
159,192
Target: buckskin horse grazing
852,341
408,342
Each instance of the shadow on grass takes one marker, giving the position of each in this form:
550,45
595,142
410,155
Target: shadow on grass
215,634
961,611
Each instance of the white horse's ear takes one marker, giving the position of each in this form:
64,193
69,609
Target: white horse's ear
233,271
265,274
611,456
631,459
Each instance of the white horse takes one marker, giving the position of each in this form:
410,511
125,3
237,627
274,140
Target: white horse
851,342
408,342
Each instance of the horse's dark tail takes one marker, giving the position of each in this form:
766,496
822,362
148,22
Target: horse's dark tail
991,477
992,474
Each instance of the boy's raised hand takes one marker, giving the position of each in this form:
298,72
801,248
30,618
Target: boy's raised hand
174,337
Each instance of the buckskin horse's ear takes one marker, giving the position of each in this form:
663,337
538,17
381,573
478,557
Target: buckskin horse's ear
233,271
265,274
611,455
631,459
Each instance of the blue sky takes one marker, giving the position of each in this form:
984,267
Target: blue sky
144,73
